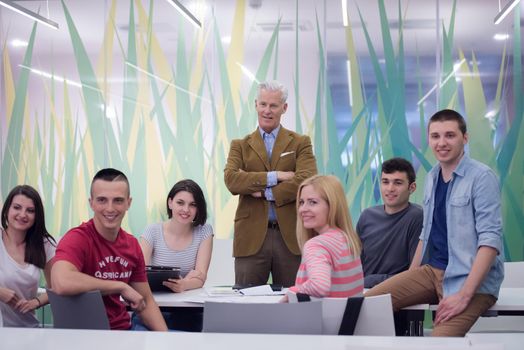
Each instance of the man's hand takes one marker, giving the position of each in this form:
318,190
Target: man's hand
134,299
451,306
257,194
285,175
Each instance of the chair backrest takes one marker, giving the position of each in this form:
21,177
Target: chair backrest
222,267
513,274
82,311
375,318
278,318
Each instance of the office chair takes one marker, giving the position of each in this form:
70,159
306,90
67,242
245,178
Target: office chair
375,316
82,311
278,318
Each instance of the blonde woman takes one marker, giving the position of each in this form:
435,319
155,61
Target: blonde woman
330,265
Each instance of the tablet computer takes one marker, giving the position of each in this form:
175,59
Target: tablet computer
158,274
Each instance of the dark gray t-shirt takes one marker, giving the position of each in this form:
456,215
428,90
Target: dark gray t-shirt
388,241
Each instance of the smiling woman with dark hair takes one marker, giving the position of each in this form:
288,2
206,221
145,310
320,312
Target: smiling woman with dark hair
184,241
26,248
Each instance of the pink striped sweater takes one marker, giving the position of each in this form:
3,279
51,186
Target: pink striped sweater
328,268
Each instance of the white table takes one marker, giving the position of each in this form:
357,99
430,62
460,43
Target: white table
62,339
511,341
511,301
168,299
197,297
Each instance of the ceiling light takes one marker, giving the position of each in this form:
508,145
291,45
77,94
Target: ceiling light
185,12
491,114
30,14
198,8
456,67
77,84
350,87
345,13
167,82
248,73
501,36
110,113
505,11
19,43
52,76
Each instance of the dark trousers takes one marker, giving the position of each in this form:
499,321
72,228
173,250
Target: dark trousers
273,257
187,319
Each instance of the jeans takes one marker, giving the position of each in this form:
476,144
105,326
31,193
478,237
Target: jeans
187,319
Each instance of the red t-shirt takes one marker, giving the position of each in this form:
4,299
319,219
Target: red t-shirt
92,254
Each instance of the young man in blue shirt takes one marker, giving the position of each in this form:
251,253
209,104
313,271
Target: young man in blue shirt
459,258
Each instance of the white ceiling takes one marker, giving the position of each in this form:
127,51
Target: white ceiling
474,28
474,31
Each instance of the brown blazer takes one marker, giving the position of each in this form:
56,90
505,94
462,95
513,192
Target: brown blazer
291,152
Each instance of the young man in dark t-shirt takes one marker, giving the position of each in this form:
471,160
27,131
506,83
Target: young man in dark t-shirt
389,232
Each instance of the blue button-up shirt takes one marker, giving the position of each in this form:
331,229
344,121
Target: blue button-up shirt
473,219
272,179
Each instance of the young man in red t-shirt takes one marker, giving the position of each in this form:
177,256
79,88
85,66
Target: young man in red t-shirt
100,255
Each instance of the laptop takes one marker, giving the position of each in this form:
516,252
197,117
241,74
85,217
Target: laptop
158,274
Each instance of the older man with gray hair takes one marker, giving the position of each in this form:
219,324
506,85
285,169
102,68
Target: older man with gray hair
264,169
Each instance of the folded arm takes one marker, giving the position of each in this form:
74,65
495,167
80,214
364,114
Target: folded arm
286,191
237,179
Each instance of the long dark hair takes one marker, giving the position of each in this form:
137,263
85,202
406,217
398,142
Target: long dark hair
193,188
37,234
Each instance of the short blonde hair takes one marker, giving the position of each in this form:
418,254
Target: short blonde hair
331,190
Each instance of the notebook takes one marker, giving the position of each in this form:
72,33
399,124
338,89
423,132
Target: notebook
158,274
